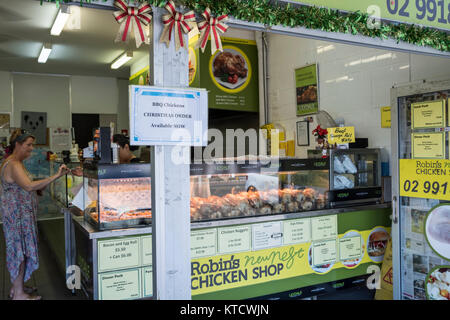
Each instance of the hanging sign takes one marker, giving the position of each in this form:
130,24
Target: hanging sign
428,145
385,117
341,135
429,114
164,116
429,179
230,75
306,84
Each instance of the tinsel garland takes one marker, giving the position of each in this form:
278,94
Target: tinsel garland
325,19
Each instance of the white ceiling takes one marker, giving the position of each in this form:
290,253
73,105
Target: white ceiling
85,47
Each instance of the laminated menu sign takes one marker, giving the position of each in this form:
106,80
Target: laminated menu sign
203,243
429,179
120,285
429,114
428,145
267,235
165,116
235,239
349,248
297,231
147,282
118,254
324,252
324,227
146,245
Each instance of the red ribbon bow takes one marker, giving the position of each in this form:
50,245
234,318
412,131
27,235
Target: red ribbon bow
210,27
181,22
132,16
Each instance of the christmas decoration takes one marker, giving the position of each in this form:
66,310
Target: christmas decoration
177,22
321,138
271,13
132,17
210,27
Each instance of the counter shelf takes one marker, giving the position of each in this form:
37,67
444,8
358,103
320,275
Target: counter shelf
83,239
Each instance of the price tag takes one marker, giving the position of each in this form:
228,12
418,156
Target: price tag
120,285
324,227
297,231
118,254
234,239
203,243
324,252
147,282
428,145
349,248
429,179
267,235
429,114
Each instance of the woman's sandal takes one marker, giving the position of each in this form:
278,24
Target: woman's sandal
32,297
26,289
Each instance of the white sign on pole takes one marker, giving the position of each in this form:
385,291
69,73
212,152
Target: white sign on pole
165,116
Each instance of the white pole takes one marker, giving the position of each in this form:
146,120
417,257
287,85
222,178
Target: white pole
170,182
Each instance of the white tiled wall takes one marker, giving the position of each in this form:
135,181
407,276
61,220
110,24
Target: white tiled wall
354,83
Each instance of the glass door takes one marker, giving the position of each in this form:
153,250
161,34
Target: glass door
421,191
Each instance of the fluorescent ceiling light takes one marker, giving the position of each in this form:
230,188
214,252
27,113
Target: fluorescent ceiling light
122,60
45,52
60,21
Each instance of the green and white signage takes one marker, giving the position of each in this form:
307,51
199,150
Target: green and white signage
230,76
430,13
307,91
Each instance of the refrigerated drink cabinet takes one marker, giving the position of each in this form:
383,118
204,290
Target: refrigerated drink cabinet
421,191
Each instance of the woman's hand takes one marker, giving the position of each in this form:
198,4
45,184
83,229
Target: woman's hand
78,171
62,170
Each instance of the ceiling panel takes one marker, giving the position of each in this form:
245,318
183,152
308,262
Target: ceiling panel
85,47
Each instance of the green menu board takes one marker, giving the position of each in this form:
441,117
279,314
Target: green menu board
307,93
230,76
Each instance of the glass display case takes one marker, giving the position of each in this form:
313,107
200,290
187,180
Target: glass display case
355,176
117,195
64,189
221,191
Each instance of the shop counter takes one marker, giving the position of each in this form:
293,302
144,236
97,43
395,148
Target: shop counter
281,256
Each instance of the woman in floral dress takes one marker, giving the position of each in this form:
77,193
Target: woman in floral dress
18,205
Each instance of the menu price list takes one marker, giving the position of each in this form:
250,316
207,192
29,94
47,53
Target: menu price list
125,268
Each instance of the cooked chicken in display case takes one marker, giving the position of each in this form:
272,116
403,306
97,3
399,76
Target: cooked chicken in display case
240,190
117,195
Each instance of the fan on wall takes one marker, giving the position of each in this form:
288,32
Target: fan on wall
324,119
